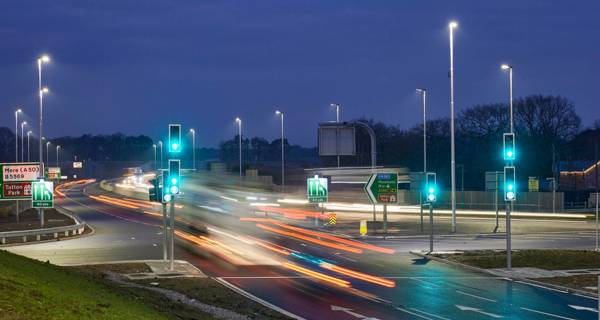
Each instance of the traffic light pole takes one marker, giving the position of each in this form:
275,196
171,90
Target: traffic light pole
496,203
421,208
508,236
430,227
172,216
165,232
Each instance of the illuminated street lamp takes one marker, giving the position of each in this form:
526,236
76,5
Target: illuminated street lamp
47,153
337,119
160,143
41,91
23,124
154,148
279,113
16,134
239,122
28,134
510,91
57,149
193,148
451,26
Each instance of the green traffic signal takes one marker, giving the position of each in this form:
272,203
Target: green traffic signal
174,176
510,188
174,138
510,153
431,187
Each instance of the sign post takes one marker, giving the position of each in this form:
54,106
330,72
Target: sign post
42,194
382,188
317,192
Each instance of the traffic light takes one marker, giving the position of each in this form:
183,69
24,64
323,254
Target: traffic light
174,178
175,138
509,147
510,184
155,193
431,187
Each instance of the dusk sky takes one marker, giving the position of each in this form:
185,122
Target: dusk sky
134,66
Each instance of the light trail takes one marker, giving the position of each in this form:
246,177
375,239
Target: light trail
114,202
334,238
359,275
309,239
317,275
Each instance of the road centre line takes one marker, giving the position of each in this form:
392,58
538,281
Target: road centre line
475,296
547,314
429,314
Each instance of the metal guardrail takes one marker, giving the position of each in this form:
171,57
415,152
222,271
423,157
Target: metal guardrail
75,229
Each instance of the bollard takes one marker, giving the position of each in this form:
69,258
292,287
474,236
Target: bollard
66,233
37,237
24,238
55,235
3,240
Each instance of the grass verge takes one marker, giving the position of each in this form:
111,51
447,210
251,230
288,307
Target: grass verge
33,290
543,259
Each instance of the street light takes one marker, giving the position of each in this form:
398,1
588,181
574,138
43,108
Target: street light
280,113
193,148
239,122
161,153
47,153
510,91
451,26
28,134
423,93
57,148
41,60
337,119
23,124
17,134
154,148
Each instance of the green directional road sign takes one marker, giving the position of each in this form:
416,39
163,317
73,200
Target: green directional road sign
382,188
42,194
316,189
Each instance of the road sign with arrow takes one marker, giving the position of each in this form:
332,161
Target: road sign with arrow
382,188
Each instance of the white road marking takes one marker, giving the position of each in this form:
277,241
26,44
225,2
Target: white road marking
547,314
426,282
429,314
583,308
539,286
475,296
351,312
477,310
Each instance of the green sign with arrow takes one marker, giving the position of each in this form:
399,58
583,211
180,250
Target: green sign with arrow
42,194
382,188
316,189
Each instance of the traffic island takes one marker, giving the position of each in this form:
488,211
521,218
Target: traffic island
57,225
567,270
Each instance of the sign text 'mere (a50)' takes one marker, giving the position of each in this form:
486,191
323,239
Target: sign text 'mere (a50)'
20,172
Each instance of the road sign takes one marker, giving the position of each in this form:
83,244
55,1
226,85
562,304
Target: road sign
533,184
77,165
382,188
316,189
363,227
16,180
53,173
332,219
42,194
494,180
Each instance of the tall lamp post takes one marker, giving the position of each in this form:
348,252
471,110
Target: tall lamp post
154,148
28,134
47,152
193,148
41,91
239,122
280,114
23,124
337,119
423,93
17,134
510,92
451,26
160,143
57,149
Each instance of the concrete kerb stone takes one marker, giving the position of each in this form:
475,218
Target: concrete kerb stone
510,278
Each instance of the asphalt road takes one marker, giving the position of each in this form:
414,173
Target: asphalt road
300,272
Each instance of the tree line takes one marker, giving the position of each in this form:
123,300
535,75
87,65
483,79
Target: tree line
547,130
